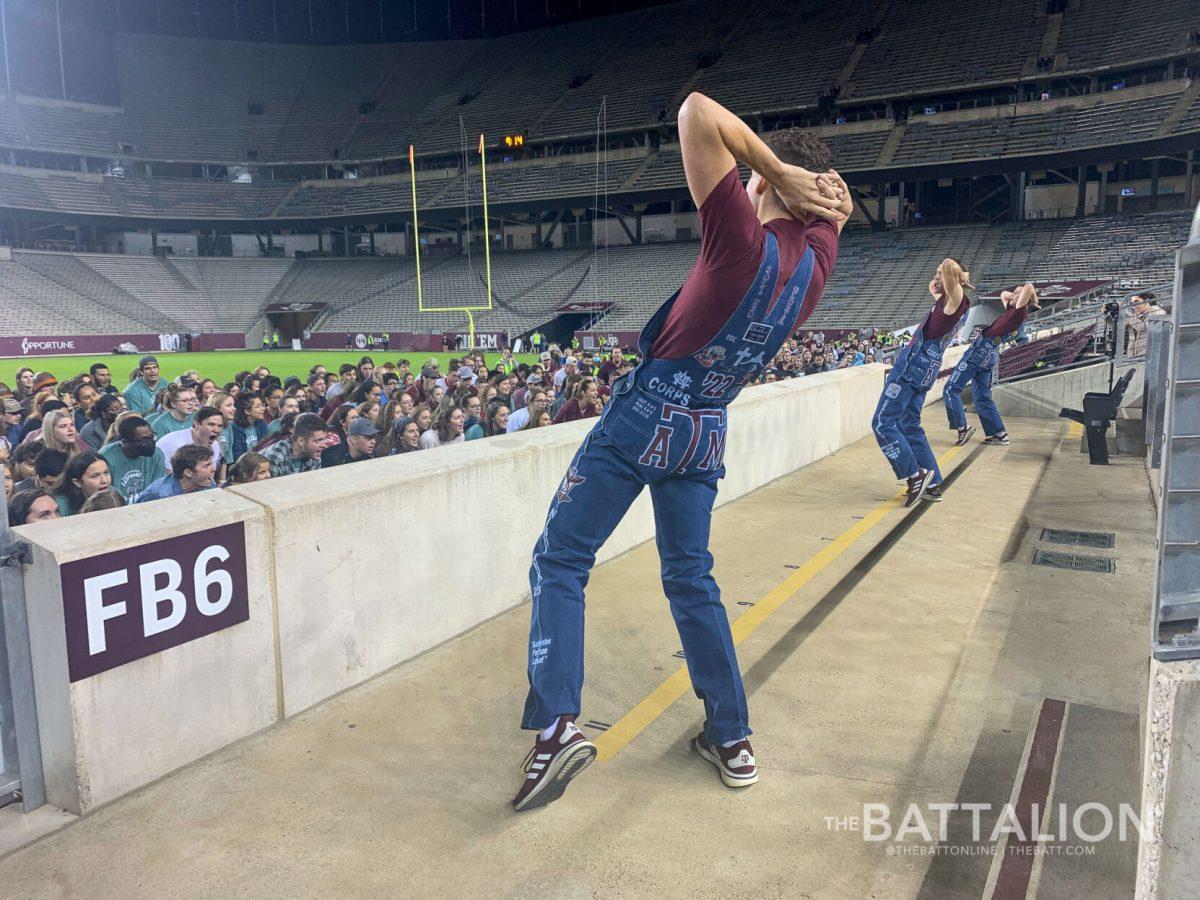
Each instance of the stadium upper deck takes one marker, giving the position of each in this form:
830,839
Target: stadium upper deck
190,99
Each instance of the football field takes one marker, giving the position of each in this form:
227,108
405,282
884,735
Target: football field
223,365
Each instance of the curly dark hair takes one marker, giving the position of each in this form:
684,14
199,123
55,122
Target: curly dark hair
797,147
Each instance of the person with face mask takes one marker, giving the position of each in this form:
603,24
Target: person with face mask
134,461
100,418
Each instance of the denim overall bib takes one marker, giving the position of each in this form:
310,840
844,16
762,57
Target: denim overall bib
665,428
975,368
897,419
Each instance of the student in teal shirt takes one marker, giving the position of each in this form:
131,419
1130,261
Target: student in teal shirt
179,409
139,396
133,460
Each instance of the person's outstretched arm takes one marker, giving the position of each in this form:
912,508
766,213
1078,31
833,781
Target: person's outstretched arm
712,139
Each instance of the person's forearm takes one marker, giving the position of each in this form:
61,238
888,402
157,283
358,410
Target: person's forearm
739,138
1025,296
951,277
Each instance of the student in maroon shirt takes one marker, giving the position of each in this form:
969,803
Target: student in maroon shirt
976,368
897,419
584,403
766,252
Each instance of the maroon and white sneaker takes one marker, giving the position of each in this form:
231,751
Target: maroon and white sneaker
917,485
552,763
736,763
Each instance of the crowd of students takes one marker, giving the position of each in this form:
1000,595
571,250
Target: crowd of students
79,445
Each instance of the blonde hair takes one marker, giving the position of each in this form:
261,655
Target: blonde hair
51,419
219,397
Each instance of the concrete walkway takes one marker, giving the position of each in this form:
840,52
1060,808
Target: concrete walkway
910,666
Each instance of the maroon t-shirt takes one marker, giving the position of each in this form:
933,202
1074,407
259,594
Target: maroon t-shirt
1010,320
731,250
572,412
939,324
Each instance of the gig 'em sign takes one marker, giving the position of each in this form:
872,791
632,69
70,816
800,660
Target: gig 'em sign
139,601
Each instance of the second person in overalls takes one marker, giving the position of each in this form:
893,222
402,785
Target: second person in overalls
897,420
766,251
976,366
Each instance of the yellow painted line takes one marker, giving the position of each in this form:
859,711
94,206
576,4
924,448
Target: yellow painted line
1074,431
634,722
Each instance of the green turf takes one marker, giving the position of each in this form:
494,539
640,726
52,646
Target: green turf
222,365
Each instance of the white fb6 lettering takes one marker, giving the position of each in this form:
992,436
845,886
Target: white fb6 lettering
164,604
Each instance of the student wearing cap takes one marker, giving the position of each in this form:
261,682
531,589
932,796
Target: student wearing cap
10,421
570,367
361,438
139,396
467,379
41,382
520,397
191,470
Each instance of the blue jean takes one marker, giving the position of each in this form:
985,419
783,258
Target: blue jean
597,490
985,407
897,427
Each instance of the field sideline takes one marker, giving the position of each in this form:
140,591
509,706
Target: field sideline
222,365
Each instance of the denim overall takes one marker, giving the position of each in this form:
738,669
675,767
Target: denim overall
975,368
897,419
665,428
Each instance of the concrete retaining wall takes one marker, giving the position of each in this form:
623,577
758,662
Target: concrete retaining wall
108,734
458,526
1044,396
1169,849
350,571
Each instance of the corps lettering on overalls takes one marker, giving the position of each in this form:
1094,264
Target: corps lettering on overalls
976,368
669,414
897,419
664,428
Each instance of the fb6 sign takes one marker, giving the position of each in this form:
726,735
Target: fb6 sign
140,601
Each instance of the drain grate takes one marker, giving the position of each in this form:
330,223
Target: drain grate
1100,540
1075,562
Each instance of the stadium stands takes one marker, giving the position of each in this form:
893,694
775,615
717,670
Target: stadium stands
1110,118
926,45
188,99
1057,350
880,279
1098,34
1103,120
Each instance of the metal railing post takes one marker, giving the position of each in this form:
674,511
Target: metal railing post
22,750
